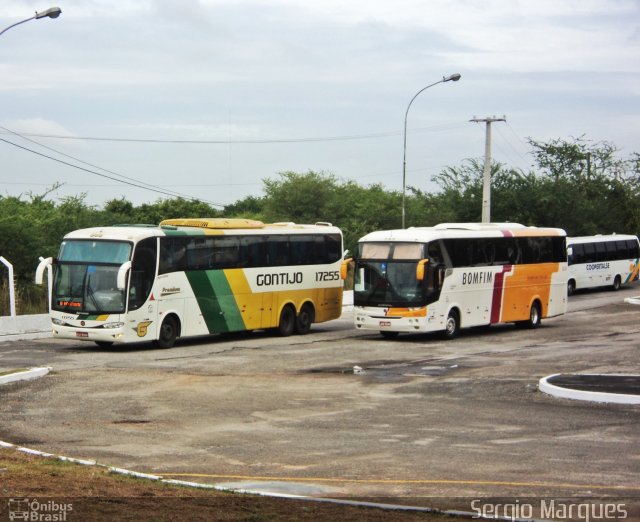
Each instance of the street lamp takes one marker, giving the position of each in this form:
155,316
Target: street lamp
52,12
453,78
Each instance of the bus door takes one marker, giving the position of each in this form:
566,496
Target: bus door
267,318
143,305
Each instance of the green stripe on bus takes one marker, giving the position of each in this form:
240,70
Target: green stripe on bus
214,296
190,232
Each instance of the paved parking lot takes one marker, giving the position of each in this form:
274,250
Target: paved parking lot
425,417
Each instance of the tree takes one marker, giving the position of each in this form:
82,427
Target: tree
301,198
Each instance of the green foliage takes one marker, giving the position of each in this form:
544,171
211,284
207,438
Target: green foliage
578,185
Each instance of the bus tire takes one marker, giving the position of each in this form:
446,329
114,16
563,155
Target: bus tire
571,287
535,317
287,323
617,282
168,333
305,319
104,344
452,325
388,334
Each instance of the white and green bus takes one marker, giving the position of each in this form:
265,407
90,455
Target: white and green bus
193,277
602,260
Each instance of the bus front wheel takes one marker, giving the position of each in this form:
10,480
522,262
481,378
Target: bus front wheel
305,319
452,326
571,287
287,323
168,333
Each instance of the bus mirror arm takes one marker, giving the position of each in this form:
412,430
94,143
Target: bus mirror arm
344,268
121,282
42,266
420,269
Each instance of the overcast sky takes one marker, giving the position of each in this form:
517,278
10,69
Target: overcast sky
209,97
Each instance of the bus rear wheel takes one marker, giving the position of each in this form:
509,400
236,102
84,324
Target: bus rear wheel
168,333
305,319
452,326
535,317
287,323
617,282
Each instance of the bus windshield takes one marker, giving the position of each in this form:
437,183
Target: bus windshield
83,251
86,277
387,283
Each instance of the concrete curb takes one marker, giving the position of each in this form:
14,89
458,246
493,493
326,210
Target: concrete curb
27,375
581,395
37,326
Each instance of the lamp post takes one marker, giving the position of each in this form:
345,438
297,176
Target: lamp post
453,78
52,12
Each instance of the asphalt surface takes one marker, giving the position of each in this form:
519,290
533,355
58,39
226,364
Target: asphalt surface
419,418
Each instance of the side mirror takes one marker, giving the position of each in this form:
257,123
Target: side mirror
42,266
344,268
420,269
121,281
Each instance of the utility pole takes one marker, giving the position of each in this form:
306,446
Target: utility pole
486,178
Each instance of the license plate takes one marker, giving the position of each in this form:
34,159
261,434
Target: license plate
384,323
82,334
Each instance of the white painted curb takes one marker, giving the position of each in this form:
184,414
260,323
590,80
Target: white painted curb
27,375
632,300
581,395
183,483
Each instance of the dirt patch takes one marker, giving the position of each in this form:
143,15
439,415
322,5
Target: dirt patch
92,493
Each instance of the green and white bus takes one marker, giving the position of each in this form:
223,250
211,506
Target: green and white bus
193,277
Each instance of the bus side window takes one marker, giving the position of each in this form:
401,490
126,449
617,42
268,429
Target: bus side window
173,255
278,250
589,252
333,245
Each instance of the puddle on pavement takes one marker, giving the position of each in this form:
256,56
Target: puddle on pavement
391,371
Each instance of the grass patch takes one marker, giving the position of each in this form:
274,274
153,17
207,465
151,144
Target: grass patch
95,494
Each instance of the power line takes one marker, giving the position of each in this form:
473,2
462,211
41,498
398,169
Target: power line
176,194
447,126
132,184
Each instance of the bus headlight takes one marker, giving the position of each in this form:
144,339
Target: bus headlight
57,321
112,325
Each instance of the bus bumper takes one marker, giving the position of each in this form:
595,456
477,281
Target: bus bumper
106,335
374,319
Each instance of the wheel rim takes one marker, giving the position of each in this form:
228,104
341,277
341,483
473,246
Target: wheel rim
287,321
451,325
535,315
166,331
305,319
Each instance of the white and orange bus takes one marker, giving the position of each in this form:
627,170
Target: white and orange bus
190,277
602,260
457,275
